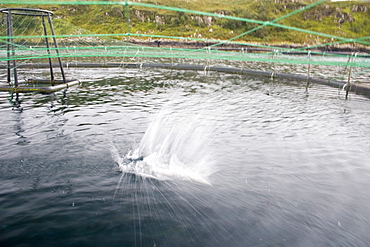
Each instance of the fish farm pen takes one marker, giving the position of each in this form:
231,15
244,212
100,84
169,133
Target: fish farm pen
21,53
122,127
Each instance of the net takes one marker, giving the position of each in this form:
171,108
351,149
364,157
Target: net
128,44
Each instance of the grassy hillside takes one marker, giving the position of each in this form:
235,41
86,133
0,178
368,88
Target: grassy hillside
345,19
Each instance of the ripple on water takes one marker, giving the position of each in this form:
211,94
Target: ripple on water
280,166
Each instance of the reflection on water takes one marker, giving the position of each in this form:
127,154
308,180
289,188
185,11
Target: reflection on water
179,158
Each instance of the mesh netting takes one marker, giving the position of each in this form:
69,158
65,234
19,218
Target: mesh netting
76,44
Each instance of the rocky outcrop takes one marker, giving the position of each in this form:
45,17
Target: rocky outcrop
340,16
359,8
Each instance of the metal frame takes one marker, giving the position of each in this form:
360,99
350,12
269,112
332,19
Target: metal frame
10,41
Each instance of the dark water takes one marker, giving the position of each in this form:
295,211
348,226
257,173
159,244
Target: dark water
180,158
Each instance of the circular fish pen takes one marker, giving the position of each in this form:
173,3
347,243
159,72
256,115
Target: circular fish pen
83,48
174,146
179,157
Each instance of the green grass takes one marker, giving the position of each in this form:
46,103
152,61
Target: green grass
113,19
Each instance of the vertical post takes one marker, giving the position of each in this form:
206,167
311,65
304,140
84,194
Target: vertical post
11,41
8,24
274,64
308,72
308,76
48,49
56,47
242,63
348,87
128,17
207,68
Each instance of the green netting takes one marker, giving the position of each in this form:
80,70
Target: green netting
28,42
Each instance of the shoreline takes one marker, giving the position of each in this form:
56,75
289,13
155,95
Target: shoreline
342,49
253,46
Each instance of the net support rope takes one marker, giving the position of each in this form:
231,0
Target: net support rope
123,49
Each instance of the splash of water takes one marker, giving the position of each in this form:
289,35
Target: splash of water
177,145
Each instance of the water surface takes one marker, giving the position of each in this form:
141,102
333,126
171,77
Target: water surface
157,157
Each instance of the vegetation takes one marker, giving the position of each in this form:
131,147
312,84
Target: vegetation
345,19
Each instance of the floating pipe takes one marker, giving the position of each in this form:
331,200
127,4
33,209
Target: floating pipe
48,89
357,88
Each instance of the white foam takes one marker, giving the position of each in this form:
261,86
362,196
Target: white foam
176,145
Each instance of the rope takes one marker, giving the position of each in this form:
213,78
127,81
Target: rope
117,48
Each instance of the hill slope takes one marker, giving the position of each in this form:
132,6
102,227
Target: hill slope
344,19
